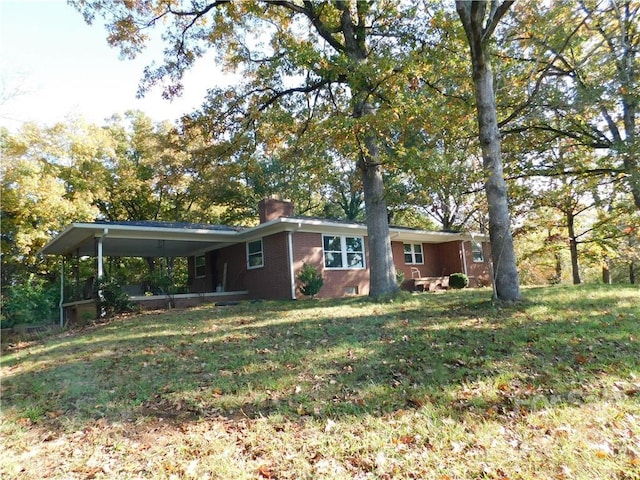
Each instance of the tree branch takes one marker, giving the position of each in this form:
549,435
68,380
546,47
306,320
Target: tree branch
497,12
283,93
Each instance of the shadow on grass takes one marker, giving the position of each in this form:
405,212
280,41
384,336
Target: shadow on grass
455,353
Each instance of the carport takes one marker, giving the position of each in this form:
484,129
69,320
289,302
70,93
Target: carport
136,239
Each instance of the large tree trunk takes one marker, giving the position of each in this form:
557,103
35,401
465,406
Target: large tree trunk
503,254
505,272
382,269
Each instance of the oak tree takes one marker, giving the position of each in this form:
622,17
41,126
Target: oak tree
480,19
346,53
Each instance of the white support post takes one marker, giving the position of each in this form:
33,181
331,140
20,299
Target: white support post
100,265
464,258
292,271
61,293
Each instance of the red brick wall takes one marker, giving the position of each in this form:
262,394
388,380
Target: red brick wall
235,256
272,208
273,279
269,281
478,272
449,258
430,267
307,248
206,283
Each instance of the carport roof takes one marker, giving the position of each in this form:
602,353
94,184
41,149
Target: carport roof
140,238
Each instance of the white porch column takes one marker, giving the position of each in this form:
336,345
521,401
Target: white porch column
101,268
100,260
61,293
292,271
464,257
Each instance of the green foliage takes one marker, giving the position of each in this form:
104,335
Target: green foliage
458,280
310,279
160,283
112,299
32,301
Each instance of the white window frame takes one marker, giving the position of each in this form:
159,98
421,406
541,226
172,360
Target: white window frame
204,265
344,254
255,254
476,248
413,253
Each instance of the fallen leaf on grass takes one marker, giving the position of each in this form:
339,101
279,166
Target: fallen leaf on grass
88,473
581,359
405,440
629,389
265,471
603,450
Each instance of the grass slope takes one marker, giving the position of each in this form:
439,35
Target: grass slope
443,387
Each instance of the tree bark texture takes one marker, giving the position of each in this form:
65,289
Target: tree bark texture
503,254
381,267
505,272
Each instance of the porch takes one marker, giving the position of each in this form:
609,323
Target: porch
80,311
89,250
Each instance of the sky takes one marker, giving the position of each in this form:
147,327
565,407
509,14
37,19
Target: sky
53,65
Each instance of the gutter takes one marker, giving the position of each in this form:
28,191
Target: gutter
290,253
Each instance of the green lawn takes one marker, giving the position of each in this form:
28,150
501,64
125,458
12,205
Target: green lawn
439,386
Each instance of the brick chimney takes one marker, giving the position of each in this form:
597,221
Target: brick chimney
272,208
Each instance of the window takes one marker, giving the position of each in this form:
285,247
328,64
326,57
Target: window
343,252
351,290
476,249
201,266
255,257
413,254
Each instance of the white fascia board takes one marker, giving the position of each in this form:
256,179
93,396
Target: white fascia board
285,224
425,236
168,233
77,234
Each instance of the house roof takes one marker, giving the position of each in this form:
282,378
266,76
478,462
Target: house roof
178,239
139,239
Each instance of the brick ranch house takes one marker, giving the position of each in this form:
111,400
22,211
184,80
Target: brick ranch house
262,262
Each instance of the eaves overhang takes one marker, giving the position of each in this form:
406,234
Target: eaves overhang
135,240
405,234
140,240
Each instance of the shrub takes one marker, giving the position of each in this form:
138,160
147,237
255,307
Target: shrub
310,279
458,280
113,298
32,301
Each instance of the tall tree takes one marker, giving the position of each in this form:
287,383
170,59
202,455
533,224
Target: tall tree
41,190
340,50
480,19
589,93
